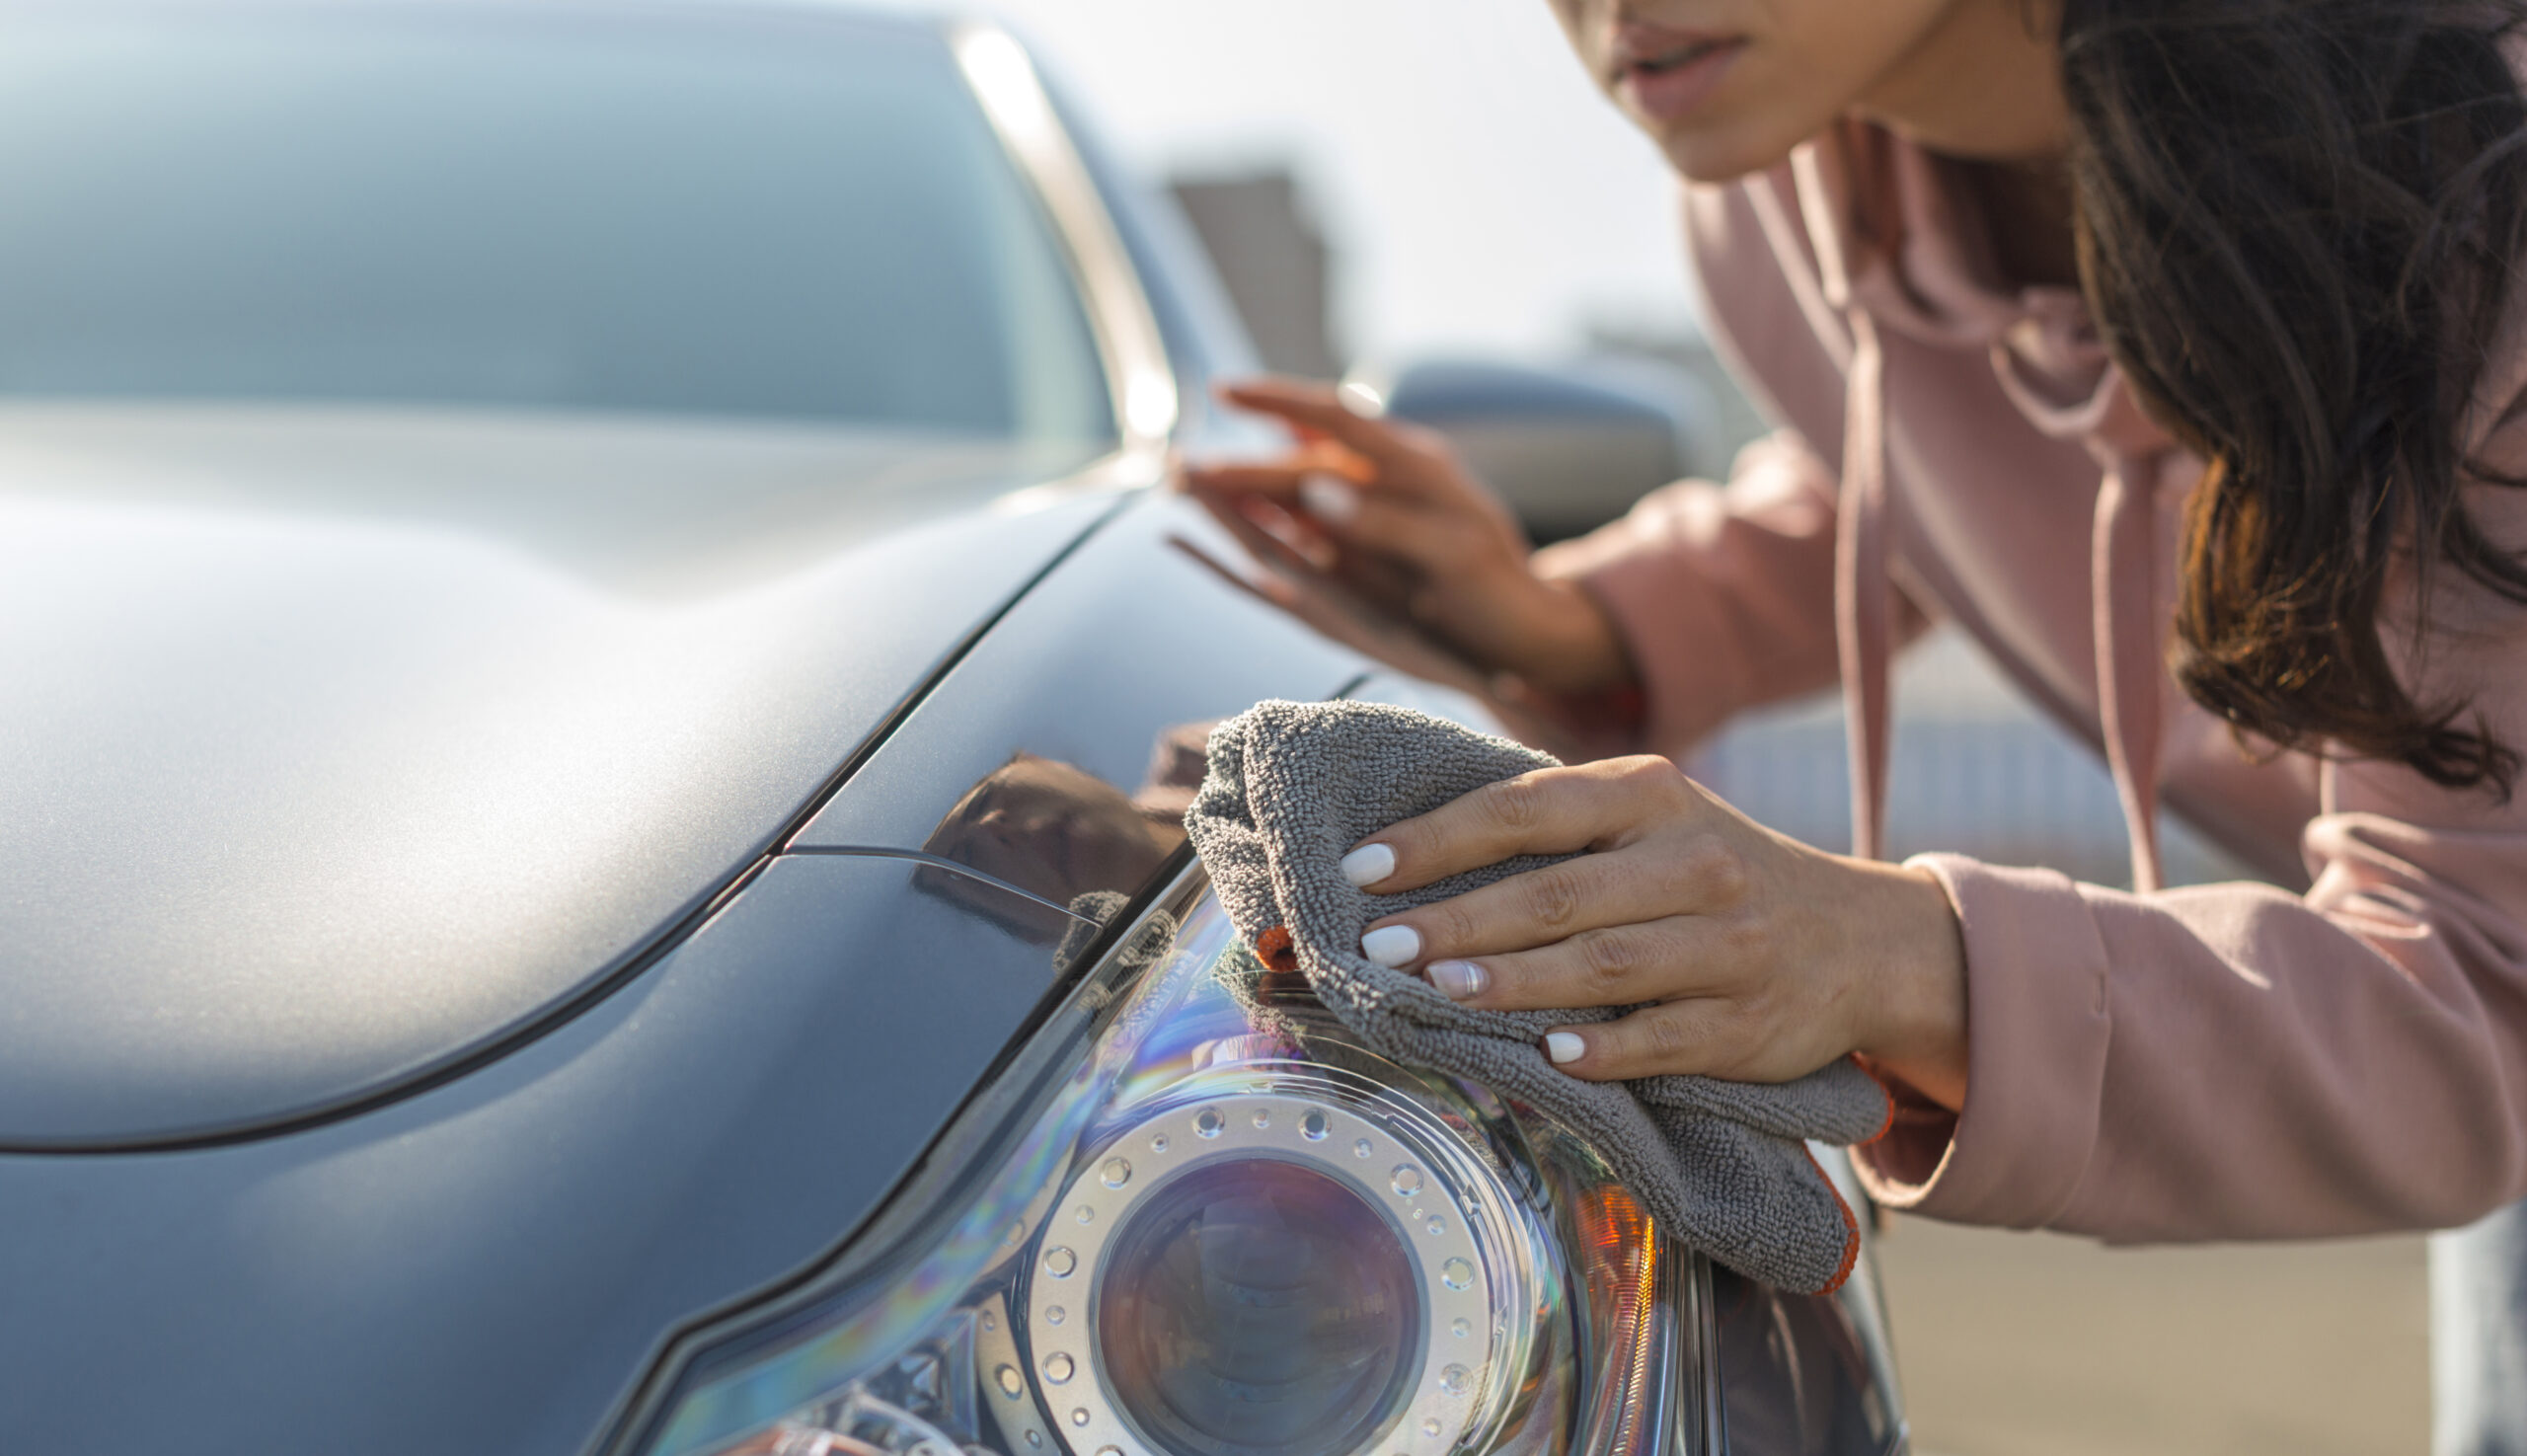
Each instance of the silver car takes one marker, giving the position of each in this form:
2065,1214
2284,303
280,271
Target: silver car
595,683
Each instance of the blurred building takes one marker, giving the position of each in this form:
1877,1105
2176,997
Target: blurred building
1276,263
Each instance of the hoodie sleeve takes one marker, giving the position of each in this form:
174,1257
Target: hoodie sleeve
2233,1063
2236,1061
1723,594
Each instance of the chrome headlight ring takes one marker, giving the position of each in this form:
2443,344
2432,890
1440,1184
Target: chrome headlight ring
1343,1154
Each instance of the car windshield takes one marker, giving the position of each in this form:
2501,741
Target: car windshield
751,214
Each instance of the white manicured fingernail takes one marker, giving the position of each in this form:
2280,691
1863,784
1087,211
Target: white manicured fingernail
1396,944
1563,1046
1363,397
1368,865
1328,497
1459,980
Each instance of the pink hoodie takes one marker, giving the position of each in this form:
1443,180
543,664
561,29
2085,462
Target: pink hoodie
2224,1061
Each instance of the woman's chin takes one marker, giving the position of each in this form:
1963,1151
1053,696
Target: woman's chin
1724,153
1747,125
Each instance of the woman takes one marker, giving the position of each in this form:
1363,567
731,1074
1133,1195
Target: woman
2140,340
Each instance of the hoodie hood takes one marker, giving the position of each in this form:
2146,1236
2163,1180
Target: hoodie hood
1896,248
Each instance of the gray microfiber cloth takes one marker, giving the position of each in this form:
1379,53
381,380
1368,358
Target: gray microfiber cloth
1723,1166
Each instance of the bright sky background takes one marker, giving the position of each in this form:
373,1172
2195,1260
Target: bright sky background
1480,191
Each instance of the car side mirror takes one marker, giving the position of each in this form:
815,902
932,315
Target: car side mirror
1570,447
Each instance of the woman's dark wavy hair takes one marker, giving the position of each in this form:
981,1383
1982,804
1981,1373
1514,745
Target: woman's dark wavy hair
2297,222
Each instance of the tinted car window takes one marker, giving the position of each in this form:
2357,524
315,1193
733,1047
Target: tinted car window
736,214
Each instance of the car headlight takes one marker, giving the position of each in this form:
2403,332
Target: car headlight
1196,1218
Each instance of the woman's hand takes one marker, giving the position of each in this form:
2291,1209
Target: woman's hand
1404,524
1765,958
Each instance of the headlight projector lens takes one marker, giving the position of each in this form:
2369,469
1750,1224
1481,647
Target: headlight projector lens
1256,1308
1255,1274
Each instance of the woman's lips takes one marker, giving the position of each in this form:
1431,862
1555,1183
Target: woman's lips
1667,87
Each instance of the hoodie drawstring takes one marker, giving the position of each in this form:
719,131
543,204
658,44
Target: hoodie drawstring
1863,602
2123,599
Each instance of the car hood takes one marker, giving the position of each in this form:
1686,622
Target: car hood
340,745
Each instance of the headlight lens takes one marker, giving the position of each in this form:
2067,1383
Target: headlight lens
1199,1219
1253,1307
